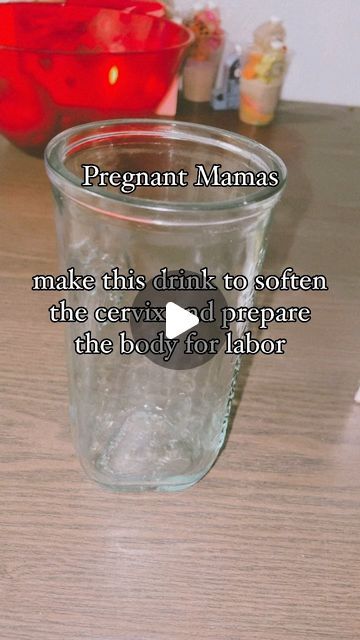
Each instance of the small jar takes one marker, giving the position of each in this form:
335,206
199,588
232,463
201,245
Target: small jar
261,83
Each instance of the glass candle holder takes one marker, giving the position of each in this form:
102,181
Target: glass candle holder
138,425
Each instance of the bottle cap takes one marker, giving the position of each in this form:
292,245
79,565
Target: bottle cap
212,5
275,20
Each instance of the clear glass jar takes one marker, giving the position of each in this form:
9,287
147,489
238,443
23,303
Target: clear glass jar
138,425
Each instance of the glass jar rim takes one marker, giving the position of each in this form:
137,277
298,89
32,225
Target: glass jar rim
60,146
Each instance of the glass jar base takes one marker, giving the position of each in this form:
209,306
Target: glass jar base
147,487
171,485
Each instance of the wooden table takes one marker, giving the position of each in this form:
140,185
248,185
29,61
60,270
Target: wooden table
267,546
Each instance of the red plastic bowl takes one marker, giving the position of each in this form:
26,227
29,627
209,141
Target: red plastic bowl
150,7
62,65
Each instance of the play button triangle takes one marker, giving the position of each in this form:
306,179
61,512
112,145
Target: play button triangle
178,320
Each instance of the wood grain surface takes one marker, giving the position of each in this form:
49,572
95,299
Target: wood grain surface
267,545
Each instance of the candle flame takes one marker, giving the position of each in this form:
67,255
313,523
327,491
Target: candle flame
113,74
